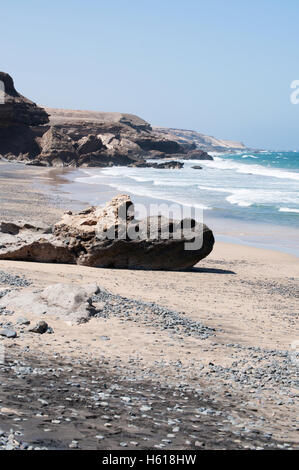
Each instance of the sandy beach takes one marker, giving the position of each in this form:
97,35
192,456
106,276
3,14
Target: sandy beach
236,386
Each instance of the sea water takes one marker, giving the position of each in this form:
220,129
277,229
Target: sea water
257,188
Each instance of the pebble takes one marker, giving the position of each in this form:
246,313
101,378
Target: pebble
23,321
145,408
150,313
41,327
8,333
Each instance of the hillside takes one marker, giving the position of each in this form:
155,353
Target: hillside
202,141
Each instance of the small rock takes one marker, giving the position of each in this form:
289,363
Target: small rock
41,328
145,408
199,444
43,402
74,445
8,333
125,399
23,321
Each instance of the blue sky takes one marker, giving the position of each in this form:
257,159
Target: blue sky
220,67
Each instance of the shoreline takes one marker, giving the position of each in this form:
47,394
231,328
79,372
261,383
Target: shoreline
58,189
240,232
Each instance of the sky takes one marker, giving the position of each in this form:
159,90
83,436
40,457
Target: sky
223,68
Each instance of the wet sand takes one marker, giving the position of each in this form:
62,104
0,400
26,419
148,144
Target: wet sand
22,196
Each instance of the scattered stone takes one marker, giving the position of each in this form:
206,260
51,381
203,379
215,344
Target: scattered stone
13,280
145,408
199,444
23,321
41,328
74,445
8,333
105,338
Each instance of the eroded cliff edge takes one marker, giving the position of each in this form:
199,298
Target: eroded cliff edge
57,137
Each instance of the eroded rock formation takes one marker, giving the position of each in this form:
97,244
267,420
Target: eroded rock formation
110,237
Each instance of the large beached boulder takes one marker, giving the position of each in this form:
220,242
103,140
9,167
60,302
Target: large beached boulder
111,237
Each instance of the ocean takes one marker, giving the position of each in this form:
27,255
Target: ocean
253,188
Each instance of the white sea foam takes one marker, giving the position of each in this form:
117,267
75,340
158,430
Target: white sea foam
202,189
247,197
155,194
228,164
88,180
287,209
217,189
141,180
175,183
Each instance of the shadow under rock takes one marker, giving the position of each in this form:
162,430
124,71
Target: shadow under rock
211,270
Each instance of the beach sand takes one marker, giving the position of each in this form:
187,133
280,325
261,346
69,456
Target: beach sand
234,389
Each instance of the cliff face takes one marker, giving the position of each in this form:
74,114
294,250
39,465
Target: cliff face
18,110
59,137
100,138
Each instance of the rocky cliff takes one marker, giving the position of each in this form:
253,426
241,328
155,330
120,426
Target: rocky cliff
18,110
59,137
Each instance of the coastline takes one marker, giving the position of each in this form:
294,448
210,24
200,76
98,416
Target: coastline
59,190
229,230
